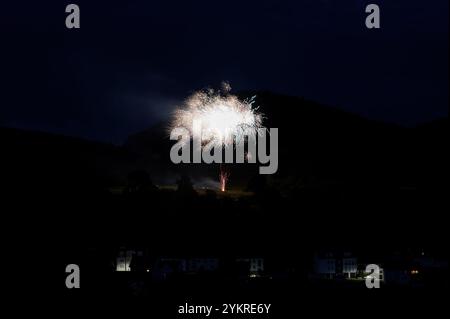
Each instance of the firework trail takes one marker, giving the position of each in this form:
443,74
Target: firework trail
224,117
223,177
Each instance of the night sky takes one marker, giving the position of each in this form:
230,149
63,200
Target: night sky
131,63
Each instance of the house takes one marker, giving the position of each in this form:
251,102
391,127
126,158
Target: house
325,265
195,265
253,266
166,267
349,265
125,257
161,268
335,265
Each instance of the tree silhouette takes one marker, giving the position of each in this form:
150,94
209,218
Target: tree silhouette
139,182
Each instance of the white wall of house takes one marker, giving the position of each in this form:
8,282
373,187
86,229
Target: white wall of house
123,260
349,266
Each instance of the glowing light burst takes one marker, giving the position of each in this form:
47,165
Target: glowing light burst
224,118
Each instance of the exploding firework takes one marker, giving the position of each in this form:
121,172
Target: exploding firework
222,115
225,119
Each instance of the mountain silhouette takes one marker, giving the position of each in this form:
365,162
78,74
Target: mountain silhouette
318,146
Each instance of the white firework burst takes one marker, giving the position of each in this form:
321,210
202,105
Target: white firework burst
223,116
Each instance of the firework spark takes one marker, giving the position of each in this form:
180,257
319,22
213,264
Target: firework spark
225,119
222,115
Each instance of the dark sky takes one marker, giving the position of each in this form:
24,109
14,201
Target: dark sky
132,62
